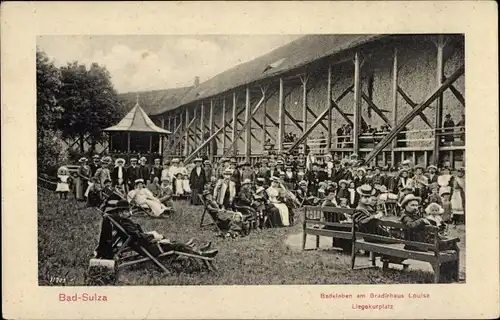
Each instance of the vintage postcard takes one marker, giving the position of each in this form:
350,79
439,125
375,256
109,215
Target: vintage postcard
250,160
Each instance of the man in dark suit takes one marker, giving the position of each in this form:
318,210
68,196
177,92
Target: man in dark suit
197,181
144,172
132,173
156,170
95,165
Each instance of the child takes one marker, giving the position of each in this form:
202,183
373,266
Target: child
63,184
445,195
343,203
434,195
322,190
185,184
434,215
179,184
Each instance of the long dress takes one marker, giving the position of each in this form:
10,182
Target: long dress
457,197
82,181
273,194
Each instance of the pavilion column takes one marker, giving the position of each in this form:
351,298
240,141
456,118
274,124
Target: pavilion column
224,124
128,142
233,134
248,130
394,104
186,134
330,108
439,101
211,126
304,108
357,102
281,117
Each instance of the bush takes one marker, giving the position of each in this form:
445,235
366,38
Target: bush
51,152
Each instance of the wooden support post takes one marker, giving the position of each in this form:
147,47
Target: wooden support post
281,118
439,100
128,142
186,133
414,158
247,123
426,159
394,103
211,124
330,108
304,107
202,122
224,124
248,131
357,101
264,126
406,119
235,124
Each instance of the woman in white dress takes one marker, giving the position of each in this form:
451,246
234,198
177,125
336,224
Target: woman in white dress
274,192
458,196
145,198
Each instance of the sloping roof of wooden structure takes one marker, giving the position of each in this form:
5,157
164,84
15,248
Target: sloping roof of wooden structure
296,54
137,120
156,101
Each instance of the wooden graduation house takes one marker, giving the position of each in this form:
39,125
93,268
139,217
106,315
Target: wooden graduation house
303,95
136,135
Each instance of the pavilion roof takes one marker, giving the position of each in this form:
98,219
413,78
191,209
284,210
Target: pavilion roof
137,120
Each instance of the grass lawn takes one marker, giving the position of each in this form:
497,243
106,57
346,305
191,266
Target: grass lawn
68,234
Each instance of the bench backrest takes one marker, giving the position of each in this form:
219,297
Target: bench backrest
393,231
326,216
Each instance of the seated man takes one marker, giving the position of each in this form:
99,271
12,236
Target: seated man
166,193
244,201
144,198
121,214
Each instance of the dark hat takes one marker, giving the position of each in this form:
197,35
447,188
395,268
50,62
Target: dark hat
365,190
336,161
206,162
120,205
106,181
167,162
257,165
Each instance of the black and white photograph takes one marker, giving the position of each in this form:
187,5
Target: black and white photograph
251,159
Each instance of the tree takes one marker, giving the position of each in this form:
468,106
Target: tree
89,100
48,86
50,148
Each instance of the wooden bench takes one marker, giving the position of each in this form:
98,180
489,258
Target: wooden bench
392,241
328,222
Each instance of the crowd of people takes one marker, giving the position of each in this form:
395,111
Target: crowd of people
270,189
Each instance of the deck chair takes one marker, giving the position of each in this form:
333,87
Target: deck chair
213,219
128,250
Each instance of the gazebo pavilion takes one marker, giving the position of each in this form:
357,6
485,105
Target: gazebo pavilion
135,136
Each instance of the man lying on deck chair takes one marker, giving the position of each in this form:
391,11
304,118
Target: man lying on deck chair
121,213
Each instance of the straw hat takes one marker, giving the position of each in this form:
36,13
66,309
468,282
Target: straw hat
95,156
133,159
303,183
198,160
139,181
228,171
175,160
274,178
365,190
143,159
222,160
259,190
207,162
409,198
343,181
432,167
246,181
82,159
361,169
206,192
117,161
406,162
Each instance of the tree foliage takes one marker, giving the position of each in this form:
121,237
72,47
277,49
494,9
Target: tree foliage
89,100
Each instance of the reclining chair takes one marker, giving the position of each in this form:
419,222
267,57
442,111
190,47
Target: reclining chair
129,245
